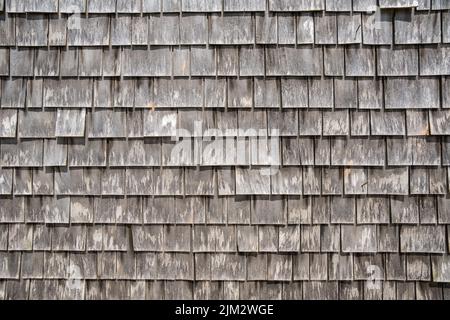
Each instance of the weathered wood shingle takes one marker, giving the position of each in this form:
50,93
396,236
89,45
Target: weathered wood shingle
222,149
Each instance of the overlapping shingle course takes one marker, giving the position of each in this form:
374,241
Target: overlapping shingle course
229,149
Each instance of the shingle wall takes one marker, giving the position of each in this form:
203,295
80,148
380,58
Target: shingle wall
209,149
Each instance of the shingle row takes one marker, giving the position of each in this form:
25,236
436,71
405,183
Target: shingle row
229,29
228,62
420,127
350,152
223,266
219,290
366,239
243,93
250,212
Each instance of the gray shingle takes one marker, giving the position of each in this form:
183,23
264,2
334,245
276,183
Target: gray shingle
67,93
387,123
293,5
439,122
8,123
199,182
10,265
202,5
434,61
7,30
46,63
411,94
360,61
151,6
79,33
286,29
101,6
142,62
32,265
279,267
69,62
239,5
70,123
203,61
377,28
372,210
123,94
401,61
34,93
36,124
398,3
418,267
252,181
321,93
121,30
193,29
21,62
358,152
440,266
71,238
128,6
446,27
6,181
305,28
160,123
266,29
338,5
32,6
57,28
139,30
370,94
325,28
440,5
330,239
417,27
72,6
388,181
171,6
112,65
168,181
25,153
287,181
164,30
349,28
107,123
31,31
251,61
227,61
87,153
404,210
360,123
320,290
335,123
421,239
231,29
55,153
4,62
345,93
417,123
133,153
294,93
334,61
289,61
